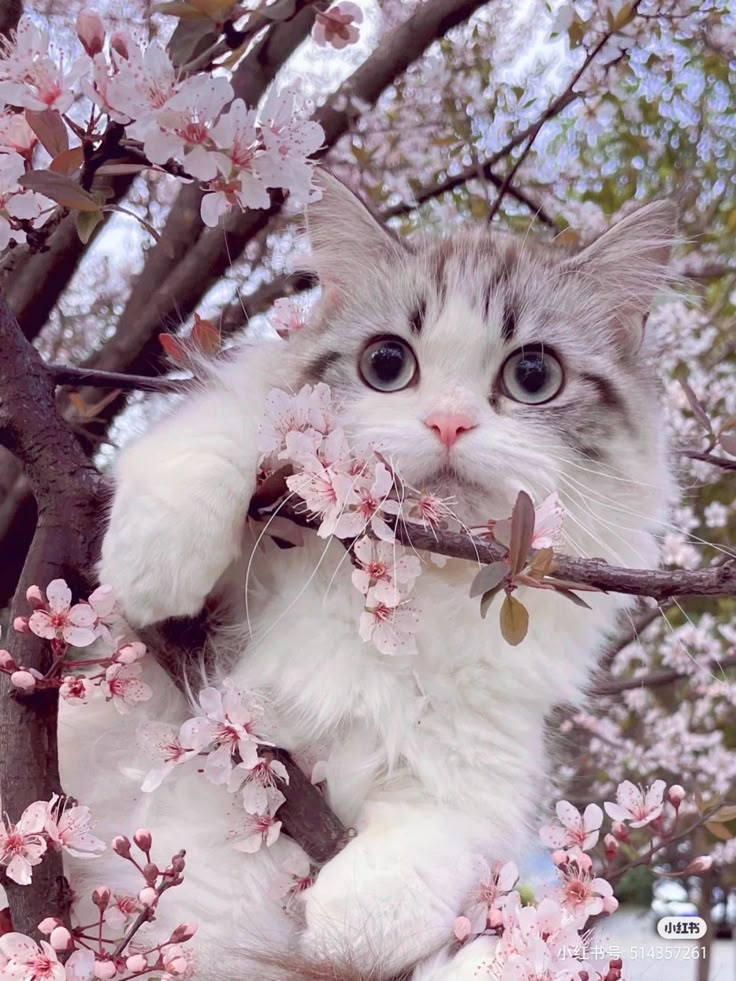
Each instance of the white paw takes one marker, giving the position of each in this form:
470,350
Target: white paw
377,914
164,552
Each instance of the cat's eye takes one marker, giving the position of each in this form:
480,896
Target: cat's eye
388,364
532,375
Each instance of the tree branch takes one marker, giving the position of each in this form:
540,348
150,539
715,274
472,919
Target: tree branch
656,679
76,377
713,458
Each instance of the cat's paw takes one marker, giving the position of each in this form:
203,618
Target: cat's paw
165,549
473,962
375,912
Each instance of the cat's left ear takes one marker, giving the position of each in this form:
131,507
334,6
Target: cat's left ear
628,266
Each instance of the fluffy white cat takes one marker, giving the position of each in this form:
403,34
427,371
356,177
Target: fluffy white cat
482,365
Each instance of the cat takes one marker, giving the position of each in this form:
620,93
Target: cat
494,364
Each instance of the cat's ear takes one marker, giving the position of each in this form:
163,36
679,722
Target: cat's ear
628,265
347,240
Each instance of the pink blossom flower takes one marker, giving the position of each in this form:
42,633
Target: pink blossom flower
490,897
390,628
120,911
239,151
576,830
16,135
289,315
310,408
29,76
178,962
429,510
123,686
75,690
259,781
373,502
337,25
229,724
16,203
142,84
163,743
326,493
288,142
386,567
548,519
634,806
536,943
80,965
29,961
62,621
581,894
22,845
251,831
294,877
69,828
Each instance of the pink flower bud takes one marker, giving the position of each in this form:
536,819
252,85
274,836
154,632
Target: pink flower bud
121,846
143,839
461,928
136,963
104,970
101,897
620,831
151,873
130,653
611,846
584,861
148,896
177,863
20,625
610,904
6,662
495,918
91,31
119,44
179,965
185,931
48,925
60,938
700,864
23,679
560,857
35,598
676,795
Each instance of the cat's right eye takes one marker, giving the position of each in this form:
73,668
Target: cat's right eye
388,364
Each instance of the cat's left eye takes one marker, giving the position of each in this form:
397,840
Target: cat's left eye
532,376
388,364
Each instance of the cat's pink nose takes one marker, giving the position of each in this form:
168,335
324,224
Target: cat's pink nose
449,425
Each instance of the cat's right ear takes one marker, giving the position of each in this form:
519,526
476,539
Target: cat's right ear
347,241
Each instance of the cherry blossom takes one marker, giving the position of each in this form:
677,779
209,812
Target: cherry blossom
289,314
123,686
258,781
28,961
23,845
337,25
120,911
490,897
162,742
295,875
310,409
229,724
59,620
69,828
16,135
583,894
288,142
574,830
16,203
391,628
636,807
373,501
384,566
548,518
29,76
75,690
251,831
141,84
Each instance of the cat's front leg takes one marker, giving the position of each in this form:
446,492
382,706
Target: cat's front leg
390,898
181,498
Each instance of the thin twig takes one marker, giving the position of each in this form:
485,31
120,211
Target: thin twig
66,375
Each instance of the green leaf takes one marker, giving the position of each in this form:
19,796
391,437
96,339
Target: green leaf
190,39
488,578
87,221
522,532
725,813
61,189
573,597
487,598
514,621
719,830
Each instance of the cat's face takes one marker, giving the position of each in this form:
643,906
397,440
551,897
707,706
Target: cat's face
482,365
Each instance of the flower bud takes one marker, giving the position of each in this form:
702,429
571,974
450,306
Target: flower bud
101,897
35,597
48,925
23,679
700,864
151,872
611,847
91,31
676,795
620,831
6,662
148,896
178,965
119,44
177,863
21,626
610,904
104,970
136,963
60,938
143,839
560,857
121,846
185,931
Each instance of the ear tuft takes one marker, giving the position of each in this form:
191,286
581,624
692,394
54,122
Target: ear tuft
346,238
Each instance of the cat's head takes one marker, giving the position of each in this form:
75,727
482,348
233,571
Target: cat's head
483,363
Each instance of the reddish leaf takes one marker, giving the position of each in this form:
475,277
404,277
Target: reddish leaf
487,598
725,813
61,189
68,161
87,221
50,129
522,532
514,621
176,349
206,336
573,597
719,830
542,564
488,578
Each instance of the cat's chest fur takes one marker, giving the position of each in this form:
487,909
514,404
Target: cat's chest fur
462,720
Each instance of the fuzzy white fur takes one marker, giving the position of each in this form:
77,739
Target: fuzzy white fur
435,759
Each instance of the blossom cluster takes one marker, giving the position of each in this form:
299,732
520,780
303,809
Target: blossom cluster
550,932
356,495
88,951
67,626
